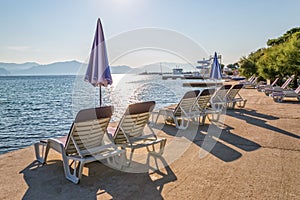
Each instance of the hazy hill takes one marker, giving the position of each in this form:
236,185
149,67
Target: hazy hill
4,72
15,67
73,67
122,69
57,68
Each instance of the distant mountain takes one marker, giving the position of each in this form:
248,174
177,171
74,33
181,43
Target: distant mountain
15,67
4,72
75,67
57,68
122,69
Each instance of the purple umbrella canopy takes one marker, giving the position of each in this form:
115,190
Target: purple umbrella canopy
215,72
98,70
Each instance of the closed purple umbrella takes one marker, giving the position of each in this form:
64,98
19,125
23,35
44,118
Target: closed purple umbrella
98,71
215,72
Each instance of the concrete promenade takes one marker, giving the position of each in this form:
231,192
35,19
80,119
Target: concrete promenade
256,156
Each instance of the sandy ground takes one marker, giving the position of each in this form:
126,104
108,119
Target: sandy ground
254,155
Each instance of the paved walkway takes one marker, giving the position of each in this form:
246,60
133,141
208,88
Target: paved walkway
254,155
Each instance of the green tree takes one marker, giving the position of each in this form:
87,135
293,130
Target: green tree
248,65
283,38
280,58
267,66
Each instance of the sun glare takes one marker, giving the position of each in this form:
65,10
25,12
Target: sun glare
123,3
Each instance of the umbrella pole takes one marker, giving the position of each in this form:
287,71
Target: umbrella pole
100,96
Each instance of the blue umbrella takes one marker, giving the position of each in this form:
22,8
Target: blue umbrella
98,71
215,72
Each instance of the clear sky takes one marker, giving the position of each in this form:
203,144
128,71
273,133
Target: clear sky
60,30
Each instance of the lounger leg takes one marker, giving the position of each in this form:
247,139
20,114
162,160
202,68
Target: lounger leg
81,165
157,117
149,150
117,161
111,161
162,146
40,151
203,119
182,125
130,157
122,159
233,104
213,118
229,105
76,164
242,104
67,171
154,155
176,122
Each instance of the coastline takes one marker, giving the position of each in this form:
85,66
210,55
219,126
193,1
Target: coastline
257,156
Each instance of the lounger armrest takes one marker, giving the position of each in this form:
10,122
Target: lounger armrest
104,149
56,144
212,111
142,138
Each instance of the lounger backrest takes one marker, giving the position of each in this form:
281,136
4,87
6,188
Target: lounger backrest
220,94
287,82
203,99
88,130
254,80
187,103
297,91
233,92
251,78
275,81
133,122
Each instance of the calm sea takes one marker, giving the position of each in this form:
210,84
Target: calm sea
40,107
